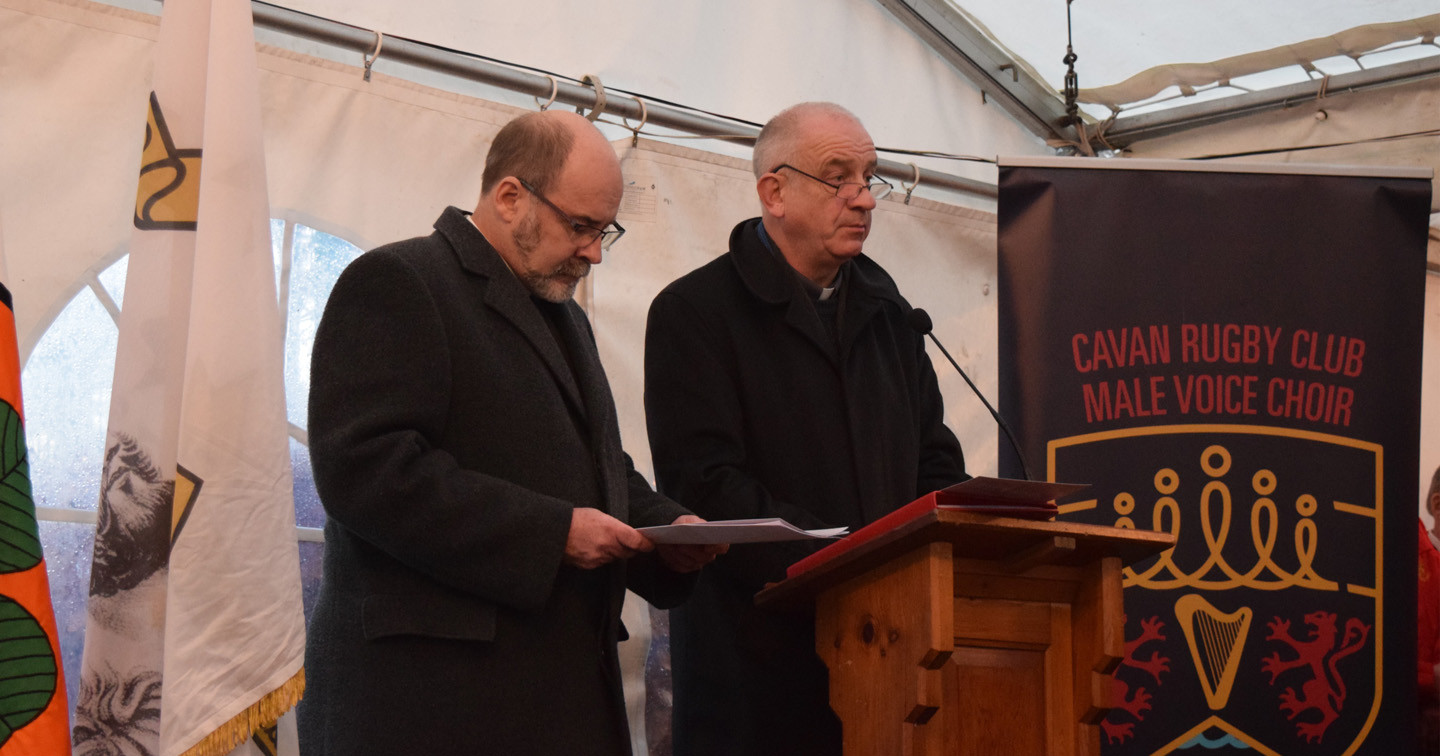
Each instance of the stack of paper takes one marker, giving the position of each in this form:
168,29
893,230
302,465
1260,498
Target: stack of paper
762,530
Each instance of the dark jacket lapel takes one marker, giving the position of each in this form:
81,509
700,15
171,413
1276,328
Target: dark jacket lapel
866,284
604,426
504,293
772,280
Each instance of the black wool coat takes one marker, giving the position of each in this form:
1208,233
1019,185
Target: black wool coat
450,441
755,411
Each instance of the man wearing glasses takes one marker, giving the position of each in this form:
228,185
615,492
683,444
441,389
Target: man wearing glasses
782,380
480,510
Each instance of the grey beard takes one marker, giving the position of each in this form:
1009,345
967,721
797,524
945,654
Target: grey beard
546,285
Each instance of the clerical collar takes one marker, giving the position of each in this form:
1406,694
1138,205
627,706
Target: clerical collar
817,292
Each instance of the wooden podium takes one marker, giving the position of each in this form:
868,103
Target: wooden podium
962,633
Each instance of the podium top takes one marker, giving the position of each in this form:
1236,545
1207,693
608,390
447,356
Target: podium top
974,536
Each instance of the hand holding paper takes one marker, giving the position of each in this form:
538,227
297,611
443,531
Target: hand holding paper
685,557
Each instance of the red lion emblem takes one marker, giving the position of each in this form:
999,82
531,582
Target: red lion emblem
1136,705
1325,690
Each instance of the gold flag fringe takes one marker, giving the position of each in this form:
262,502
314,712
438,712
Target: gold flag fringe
263,713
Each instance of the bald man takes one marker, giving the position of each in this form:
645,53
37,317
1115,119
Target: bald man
480,510
782,380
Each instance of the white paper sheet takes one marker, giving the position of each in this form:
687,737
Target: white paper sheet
763,530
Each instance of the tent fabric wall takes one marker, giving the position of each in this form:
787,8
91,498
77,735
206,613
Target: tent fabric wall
741,58
1357,123
73,83
370,162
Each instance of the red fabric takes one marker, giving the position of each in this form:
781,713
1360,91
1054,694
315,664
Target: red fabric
889,522
988,504
1428,618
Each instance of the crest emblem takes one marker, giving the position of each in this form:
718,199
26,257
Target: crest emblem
1273,526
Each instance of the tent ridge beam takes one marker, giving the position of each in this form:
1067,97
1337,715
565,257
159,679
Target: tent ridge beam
471,68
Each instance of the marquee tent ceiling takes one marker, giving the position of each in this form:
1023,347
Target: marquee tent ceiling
1200,60
1146,69
1194,60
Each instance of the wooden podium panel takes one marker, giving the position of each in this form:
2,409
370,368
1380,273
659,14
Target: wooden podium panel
972,634
1014,682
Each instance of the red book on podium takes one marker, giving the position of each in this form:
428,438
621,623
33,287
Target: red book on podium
1003,497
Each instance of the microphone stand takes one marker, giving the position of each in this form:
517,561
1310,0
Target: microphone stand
921,322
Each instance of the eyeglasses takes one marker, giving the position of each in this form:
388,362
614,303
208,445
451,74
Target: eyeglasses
580,233
879,188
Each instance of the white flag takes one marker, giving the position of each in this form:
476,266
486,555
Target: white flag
195,636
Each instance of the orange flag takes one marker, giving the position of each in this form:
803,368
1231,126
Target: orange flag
34,717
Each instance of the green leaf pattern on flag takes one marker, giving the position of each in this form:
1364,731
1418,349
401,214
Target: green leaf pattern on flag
27,668
19,537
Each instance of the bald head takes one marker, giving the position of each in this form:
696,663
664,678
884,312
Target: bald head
535,146
803,158
551,184
785,134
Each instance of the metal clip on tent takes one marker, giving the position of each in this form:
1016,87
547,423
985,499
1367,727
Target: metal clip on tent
635,130
1320,113
554,90
914,182
374,54
593,81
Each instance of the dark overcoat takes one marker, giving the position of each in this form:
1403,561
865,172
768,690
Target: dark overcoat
451,438
755,411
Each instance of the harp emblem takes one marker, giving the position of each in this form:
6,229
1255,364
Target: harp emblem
1216,643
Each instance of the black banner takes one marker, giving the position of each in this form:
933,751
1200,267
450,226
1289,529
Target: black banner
1233,357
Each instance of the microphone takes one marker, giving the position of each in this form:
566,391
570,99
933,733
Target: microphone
921,323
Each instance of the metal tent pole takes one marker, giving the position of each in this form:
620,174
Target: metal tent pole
458,64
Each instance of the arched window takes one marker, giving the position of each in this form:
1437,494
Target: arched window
66,384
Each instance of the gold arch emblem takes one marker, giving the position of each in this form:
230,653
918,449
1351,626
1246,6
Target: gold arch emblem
168,196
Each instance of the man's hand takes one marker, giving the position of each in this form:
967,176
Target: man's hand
684,558
596,539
